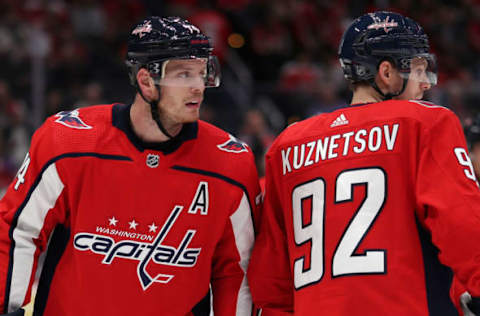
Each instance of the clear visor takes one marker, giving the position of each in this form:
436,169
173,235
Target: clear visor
421,68
188,72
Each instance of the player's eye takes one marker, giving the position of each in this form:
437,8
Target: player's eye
184,74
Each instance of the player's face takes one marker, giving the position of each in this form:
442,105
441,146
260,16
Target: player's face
182,90
418,81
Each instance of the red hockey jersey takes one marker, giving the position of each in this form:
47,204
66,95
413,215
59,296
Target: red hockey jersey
138,229
364,210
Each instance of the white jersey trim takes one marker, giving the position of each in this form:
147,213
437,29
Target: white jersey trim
244,237
30,223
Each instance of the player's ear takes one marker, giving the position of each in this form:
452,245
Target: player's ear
145,83
385,71
387,76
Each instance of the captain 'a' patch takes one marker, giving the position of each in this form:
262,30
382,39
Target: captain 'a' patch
200,201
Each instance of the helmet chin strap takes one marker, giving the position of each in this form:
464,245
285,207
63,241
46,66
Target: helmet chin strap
388,96
154,110
154,103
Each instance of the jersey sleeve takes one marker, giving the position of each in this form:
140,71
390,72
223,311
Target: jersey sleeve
269,270
456,291
231,293
29,211
448,198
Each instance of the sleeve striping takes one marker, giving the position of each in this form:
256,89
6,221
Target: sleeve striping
244,237
29,225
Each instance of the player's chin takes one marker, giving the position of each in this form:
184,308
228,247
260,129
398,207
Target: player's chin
191,117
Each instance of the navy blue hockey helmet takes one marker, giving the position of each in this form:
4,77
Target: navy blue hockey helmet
379,36
157,39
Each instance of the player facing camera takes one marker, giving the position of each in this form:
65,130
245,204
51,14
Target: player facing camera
390,53
170,64
161,243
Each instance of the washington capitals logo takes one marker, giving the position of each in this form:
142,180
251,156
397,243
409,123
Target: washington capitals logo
145,253
71,119
143,29
233,145
386,24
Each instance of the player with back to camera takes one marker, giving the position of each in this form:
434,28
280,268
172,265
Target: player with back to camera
462,299
143,207
365,207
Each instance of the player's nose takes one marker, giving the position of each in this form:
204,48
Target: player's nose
198,84
425,82
425,86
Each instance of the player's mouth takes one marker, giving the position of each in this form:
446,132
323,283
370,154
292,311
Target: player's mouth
193,104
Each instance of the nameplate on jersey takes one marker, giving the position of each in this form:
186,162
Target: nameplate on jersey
366,140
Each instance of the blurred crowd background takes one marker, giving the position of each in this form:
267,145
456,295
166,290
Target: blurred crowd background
279,60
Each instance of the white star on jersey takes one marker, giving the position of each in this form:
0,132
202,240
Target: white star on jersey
152,228
133,224
113,221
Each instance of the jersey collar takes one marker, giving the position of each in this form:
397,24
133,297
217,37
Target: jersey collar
121,120
360,104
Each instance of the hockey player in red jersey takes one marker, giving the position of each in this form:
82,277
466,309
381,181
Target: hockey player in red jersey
365,207
141,208
460,296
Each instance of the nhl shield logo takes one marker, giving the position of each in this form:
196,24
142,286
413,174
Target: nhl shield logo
152,160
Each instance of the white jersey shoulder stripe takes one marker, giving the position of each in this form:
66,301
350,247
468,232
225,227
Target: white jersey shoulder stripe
29,224
242,225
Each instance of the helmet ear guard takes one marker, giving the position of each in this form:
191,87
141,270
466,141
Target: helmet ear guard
133,68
